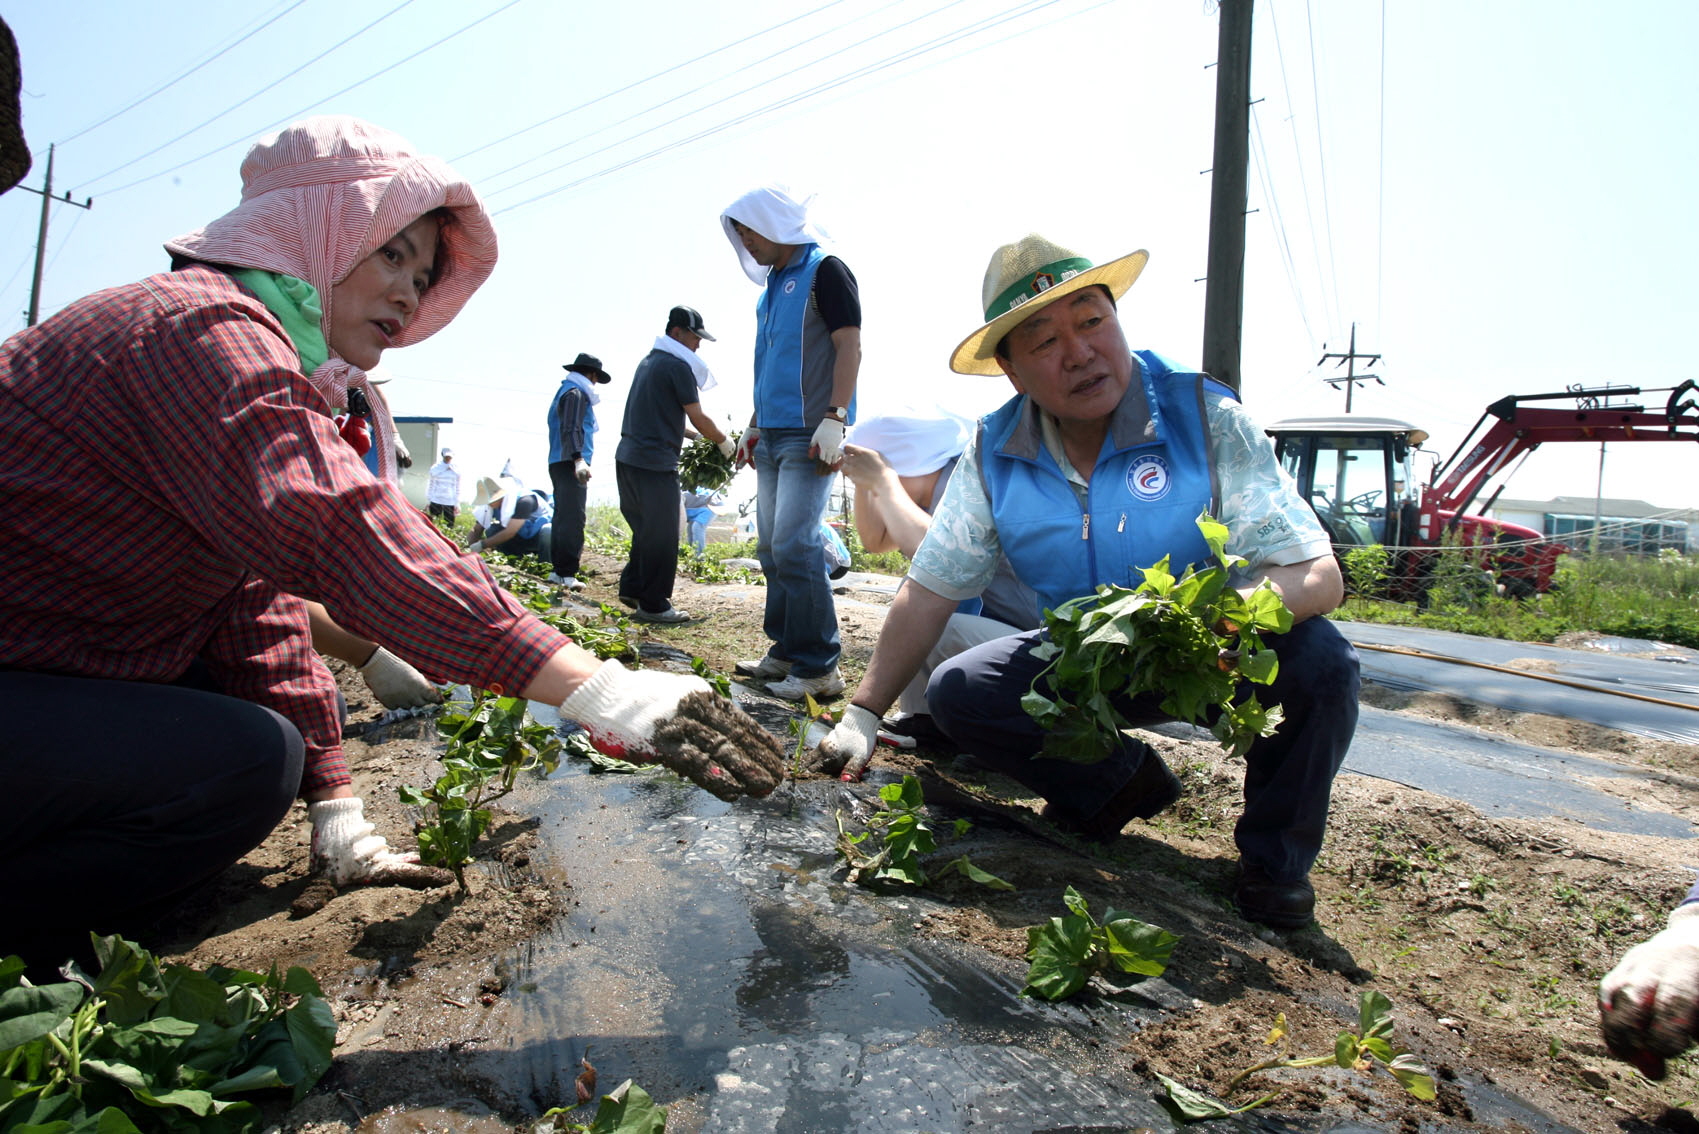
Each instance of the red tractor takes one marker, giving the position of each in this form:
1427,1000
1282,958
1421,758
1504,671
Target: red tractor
1359,474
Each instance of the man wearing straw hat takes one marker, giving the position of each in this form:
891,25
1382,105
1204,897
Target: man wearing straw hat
1097,468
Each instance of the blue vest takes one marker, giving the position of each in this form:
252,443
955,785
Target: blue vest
556,454
1152,478
794,355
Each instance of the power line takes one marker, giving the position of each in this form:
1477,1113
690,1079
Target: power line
642,81
888,61
1321,163
1266,177
765,82
293,115
250,98
167,86
1298,154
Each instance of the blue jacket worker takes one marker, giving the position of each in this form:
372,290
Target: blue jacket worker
572,442
1094,470
807,357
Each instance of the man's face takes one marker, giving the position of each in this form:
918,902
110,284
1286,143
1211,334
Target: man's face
765,252
1071,357
688,337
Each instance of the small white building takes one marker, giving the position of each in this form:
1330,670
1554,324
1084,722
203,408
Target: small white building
1631,526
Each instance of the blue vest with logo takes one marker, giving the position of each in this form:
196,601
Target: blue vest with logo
556,452
794,354
1152,478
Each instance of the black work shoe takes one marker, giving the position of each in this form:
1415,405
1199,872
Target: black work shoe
1152,788
1278,905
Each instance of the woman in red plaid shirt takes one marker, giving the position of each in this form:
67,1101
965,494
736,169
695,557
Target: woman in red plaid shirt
189,419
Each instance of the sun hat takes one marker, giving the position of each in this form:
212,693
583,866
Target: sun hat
691,320
588,365
490,490
1018,275
320,196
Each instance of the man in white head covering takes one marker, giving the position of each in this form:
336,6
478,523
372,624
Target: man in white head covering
901,462
807,358
442,492
1096,469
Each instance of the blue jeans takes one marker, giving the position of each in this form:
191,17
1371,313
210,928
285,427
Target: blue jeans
790,499
976,699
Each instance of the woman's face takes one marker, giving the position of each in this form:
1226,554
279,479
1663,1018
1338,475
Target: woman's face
378,298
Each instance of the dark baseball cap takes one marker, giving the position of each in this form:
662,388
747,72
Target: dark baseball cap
691,320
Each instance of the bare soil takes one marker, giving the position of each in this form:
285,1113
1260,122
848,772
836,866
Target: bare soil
1488,935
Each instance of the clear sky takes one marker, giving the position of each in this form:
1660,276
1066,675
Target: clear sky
1498,194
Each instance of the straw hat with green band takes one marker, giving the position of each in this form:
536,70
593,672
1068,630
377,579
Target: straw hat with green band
1024,277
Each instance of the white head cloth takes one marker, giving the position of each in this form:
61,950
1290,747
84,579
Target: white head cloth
914,440
777,213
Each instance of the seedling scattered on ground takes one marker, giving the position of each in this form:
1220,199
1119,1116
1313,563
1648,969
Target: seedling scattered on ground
145,1046
1068,951
1190,641
1370,1046
488,746
627,1109
716,680
907,835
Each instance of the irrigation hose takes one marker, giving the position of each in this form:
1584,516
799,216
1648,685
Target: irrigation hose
1411,651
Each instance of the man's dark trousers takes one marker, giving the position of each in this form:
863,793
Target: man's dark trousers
649,501
566,545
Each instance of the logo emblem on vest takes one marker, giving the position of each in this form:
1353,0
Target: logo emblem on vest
1148,478
790,286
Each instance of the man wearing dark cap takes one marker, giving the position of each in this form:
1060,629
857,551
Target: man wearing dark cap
572,438
665,391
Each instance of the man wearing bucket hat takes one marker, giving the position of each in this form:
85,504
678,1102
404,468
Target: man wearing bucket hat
666,391
193,410
807,358
1096,469
572,442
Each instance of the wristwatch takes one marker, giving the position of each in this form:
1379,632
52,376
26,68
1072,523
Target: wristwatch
839,412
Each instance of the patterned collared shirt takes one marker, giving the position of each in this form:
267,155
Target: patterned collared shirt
174,488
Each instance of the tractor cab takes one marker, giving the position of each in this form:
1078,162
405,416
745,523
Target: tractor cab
1357,472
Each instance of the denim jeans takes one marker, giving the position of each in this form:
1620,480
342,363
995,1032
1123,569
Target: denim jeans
791,497
976,699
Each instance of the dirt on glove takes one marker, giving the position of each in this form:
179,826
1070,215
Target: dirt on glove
715,744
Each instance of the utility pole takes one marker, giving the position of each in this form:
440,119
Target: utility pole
1351,376
46,192
1224,293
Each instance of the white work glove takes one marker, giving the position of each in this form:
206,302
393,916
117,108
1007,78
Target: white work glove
581,470
1649,1003
397,684
848,748
746,447
346,850
475,546
728,448
403,457
668,718
828,441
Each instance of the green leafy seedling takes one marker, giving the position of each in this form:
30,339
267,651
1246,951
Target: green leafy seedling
906,835
488,746
1189,640
627,1109
156,1047
1065,953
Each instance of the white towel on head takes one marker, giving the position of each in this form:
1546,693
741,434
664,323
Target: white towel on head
777,213
914,440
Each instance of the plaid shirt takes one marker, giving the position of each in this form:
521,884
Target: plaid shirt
172,483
